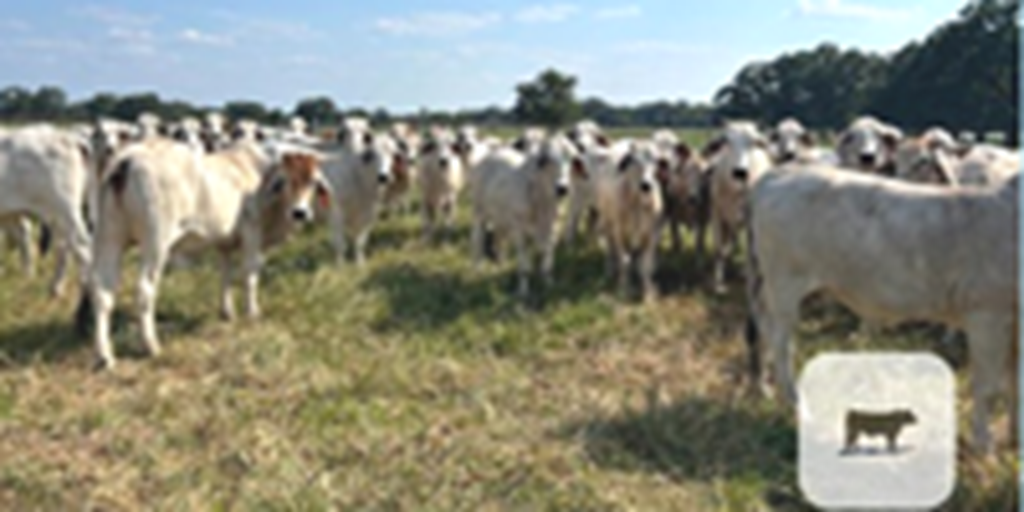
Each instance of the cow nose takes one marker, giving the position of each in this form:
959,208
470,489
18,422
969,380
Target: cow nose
787,156
302,215
443,163
645,187
740,173
561,190
383,179
867,159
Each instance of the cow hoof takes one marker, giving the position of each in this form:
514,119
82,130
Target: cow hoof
104,365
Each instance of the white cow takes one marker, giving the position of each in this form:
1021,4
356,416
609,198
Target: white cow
164,196
736,157
45,173
441,179
517,196
629,215
868,145
359,174
891,252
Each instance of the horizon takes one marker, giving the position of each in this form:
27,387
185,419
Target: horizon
446,57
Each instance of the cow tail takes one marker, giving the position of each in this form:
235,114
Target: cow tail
755,282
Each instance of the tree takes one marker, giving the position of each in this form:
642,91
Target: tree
49,103
15,103
318,111
129,107
548,101
246,110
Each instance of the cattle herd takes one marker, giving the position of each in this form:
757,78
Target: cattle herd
896,227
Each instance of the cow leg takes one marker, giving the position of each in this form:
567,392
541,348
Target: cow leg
227,301
476,242
718,234
677,238
110,245
700,232
429,216
361,240
782,312
448,214
253,262
336,224
22,234
648,263
989,336
154,258
576,208
524,266
550,242
59,279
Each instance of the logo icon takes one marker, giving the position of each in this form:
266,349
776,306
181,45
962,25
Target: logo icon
877,430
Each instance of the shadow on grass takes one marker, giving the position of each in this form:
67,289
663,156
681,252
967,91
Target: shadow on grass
751,448
55,341
428,299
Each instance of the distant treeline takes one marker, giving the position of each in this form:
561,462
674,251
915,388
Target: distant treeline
964,76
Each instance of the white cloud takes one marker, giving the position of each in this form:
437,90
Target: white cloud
851,10
111,16
437,24
242,26
659,47
137,41
199,37
619,12
13,25
552,13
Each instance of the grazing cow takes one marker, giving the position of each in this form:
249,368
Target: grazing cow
868,145
891,252
629,215
359,174
163,196
517,196
736,157
45,173
442,178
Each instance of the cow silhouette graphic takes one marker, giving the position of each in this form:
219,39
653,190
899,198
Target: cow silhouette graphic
876,423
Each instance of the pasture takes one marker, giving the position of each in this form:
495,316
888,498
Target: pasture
415,383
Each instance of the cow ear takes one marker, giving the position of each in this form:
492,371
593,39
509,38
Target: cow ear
683,152
625,163
579,169
808,139
713,147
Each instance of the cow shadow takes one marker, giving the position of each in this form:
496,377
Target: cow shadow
699,439
56,341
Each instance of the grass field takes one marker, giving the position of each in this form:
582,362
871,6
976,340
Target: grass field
414,383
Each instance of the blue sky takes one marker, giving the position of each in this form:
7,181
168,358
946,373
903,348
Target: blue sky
404,55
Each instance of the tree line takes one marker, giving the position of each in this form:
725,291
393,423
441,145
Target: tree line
964,76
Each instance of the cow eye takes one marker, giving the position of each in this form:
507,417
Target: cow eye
277,186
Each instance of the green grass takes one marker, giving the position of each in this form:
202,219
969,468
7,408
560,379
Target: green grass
415,383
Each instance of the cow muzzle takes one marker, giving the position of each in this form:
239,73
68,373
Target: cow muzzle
302,214
561,190
383,179
646,187
867,159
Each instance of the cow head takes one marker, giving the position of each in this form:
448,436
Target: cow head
868,145
554,163
295,186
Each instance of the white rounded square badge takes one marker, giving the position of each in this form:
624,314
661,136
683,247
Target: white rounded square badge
877,430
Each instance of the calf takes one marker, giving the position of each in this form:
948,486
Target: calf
359,174
442,178
736,157
629,212
891,252
163,196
